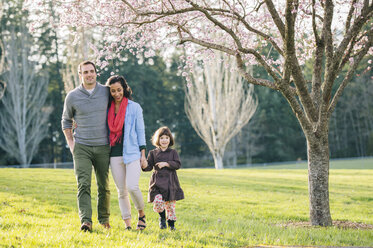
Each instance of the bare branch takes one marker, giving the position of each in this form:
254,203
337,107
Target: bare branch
23,119
212,90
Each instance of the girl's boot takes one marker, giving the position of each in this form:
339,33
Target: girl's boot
171,224
162,220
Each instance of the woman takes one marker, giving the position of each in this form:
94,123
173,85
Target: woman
127,142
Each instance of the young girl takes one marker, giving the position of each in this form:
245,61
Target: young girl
164,186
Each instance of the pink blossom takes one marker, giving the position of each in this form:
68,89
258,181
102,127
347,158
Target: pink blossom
108,18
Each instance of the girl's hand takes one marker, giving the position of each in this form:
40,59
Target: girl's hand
162,164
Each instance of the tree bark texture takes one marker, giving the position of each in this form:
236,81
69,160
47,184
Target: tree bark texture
318,180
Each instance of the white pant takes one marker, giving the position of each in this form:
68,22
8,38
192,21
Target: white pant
126,178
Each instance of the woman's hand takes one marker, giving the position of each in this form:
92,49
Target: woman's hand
143,162
162,164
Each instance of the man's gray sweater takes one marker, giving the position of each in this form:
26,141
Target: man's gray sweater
90,114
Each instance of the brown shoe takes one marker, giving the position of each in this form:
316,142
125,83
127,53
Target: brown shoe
106,225
86,226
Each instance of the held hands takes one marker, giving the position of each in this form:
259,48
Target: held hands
162,164
143,162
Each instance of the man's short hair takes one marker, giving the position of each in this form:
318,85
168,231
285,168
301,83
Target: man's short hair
87,62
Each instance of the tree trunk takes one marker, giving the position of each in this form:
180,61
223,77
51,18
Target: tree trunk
234,148
218,160
318,180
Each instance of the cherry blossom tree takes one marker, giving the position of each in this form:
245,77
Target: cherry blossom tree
278,35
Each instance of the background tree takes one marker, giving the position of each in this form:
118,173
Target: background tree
2,58
23,117
297,30
2,84
218,104
77,50
160,92
351,125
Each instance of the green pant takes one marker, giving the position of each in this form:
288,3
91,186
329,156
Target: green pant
84,157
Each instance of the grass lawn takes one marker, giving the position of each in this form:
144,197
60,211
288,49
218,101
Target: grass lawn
228,208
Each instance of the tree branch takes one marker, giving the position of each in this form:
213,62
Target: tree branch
329,53
292,65
204,43
334,61
276,17
318,62
349,16
250,79
314,26
260,59
204,10
237,16
225,49
366,14
216,22
349,75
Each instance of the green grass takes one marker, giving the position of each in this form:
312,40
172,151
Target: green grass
228,208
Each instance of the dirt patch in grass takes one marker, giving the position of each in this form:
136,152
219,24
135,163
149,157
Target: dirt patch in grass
336,223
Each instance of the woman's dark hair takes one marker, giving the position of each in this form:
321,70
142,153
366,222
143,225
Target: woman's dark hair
127,92
162,131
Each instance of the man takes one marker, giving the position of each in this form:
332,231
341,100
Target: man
87,106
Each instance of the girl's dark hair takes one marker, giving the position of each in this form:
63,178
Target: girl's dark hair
127,92
162,131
